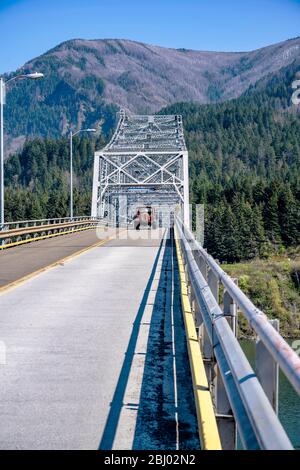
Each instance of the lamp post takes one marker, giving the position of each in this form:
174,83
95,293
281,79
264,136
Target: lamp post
71,165
32,76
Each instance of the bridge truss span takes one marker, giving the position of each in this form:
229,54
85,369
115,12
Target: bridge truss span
145,163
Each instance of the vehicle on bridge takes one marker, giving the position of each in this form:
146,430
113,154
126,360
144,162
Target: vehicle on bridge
145,163
146,217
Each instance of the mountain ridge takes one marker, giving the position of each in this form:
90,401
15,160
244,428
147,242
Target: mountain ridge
87,81
180,49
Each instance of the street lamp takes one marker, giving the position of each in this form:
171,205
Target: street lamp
71,165
32,76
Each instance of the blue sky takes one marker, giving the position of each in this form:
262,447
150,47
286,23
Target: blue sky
31,27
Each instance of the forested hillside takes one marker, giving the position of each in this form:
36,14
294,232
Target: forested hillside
86,81
37,178
244,166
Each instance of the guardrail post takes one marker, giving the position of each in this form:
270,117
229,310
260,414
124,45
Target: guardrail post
225,419
207,352
267,370
230,311
197,314
194,305
224,415
207,347
213,283
202,265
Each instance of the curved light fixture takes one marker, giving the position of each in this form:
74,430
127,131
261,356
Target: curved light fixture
31,76
34,75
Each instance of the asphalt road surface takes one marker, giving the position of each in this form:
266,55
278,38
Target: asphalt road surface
92,351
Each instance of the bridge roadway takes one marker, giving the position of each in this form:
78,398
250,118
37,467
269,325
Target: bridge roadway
24,259
95,347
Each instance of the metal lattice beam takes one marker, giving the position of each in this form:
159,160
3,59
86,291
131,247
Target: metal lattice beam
146,162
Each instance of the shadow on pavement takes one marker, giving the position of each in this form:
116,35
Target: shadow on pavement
166,416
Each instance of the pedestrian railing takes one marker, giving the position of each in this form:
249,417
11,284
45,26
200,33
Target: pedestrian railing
26,231
245,401
41,222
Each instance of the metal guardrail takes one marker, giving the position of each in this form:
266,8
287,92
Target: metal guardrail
207,423
18,233
240,399
40,222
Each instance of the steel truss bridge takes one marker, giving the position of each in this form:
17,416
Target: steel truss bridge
146,162
112,338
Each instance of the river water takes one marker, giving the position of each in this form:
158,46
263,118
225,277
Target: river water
289,401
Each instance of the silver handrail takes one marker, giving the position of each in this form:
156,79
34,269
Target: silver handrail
282,353
40,222
257,422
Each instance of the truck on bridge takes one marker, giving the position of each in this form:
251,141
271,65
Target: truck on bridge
145,216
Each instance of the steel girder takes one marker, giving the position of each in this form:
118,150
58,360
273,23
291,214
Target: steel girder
146,162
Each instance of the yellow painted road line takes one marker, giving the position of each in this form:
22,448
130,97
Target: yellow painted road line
43,237
207,424
59,262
